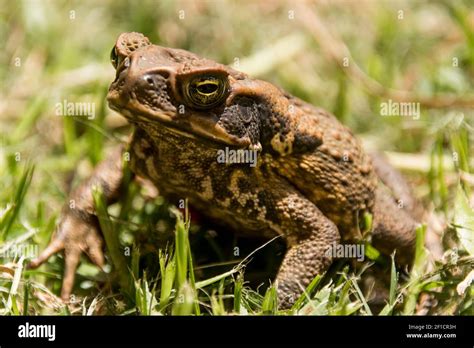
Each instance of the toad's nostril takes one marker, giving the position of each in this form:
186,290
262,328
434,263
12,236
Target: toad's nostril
149,79
153,81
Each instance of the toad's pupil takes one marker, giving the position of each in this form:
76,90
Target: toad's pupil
207,88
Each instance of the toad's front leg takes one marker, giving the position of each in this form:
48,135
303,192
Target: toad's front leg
309,236
78,228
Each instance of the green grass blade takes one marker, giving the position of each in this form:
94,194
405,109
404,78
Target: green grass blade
184,302
270,301
387,310
168,276
23,185
181,251
26,295
238,285
464,221
209,281
112,242
306,295
416,273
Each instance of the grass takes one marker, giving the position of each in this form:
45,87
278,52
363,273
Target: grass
162,260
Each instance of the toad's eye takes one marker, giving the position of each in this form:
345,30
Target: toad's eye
114,59
204,92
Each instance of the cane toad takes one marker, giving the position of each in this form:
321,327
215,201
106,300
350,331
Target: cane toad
310,183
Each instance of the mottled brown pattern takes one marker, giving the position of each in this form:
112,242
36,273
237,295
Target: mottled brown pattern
311,184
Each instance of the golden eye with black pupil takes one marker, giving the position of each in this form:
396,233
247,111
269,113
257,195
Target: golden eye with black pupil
204,92
114,57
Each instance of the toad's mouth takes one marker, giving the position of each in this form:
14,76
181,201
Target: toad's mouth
194,126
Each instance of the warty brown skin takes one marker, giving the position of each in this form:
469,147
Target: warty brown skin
311,185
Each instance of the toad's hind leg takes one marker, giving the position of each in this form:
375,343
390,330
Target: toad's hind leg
310,236
396,213
394,228
398,186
